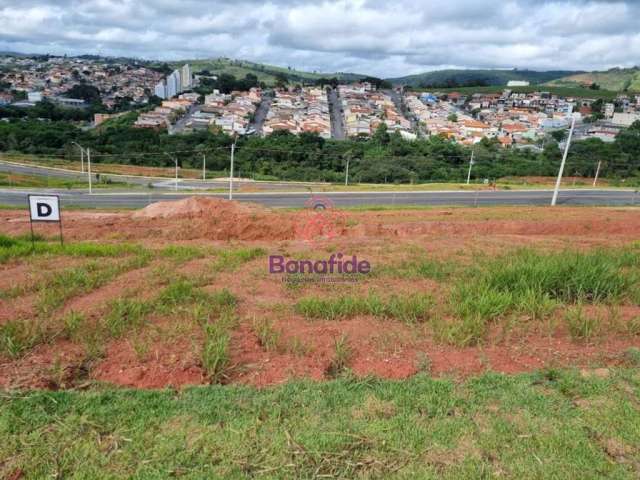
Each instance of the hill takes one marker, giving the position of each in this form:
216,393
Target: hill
616,79
265,73
460,78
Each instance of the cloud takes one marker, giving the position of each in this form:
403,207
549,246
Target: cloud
366,36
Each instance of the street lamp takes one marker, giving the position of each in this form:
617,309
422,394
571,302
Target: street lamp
176,162
81,155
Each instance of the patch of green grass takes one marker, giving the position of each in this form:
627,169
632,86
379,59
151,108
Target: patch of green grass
55,290
182,253
19,336
570,277
419,268
535,284
411,308
230,260
518,427
125,315
17,247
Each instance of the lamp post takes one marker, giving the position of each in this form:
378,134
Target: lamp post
564,160
175,185
81,155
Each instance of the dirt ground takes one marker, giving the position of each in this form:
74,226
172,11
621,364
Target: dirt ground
165,353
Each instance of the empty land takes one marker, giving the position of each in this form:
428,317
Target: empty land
484,342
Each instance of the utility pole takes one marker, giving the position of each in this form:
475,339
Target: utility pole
595,180
233,149
470,165
346,176
89,170
564,160
204,167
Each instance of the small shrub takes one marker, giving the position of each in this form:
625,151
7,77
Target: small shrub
580,325
72,324
268,335
215,351
342,354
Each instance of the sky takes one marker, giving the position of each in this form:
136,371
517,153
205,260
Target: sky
386,38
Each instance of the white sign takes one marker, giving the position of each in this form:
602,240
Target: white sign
44,208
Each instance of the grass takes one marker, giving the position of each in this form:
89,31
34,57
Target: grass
342,354
268,336
182,253
410,308
230,260
556,424
215,355
419,268
19,247
581,326
534,284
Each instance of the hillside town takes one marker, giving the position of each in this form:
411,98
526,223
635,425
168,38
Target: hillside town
517,118
357,109
306,110
365,109
53,77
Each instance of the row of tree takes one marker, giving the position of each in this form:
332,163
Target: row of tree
385,157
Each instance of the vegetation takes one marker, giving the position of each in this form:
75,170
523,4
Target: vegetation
475,78
551,424
408,309
385,158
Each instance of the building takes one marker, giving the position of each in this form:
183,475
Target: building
625,119
160,90
186,77
174,84
34,96
518,83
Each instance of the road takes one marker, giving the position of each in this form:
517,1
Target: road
261,113
182,122
346,199
335,112
156,182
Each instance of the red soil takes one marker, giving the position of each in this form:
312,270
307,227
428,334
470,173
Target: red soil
386,349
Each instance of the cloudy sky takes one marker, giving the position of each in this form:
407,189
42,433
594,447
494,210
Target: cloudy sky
379,37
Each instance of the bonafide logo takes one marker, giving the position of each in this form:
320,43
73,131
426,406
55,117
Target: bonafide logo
335,264
320,223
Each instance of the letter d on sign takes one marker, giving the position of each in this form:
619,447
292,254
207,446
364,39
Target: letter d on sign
44,209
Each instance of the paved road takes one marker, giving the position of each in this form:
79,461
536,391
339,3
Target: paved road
157,182
337,117
261,113
182,122
348,199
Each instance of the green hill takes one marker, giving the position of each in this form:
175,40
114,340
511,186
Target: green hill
265,73
461,78
616,79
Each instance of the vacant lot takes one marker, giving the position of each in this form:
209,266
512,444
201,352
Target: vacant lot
180,295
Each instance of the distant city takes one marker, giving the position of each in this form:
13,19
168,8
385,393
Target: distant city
178,101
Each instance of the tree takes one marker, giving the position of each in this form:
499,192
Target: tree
452,117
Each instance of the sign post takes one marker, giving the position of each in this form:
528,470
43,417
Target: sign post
44,208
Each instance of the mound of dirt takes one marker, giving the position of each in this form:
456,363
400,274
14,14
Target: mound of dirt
215,219
196,207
